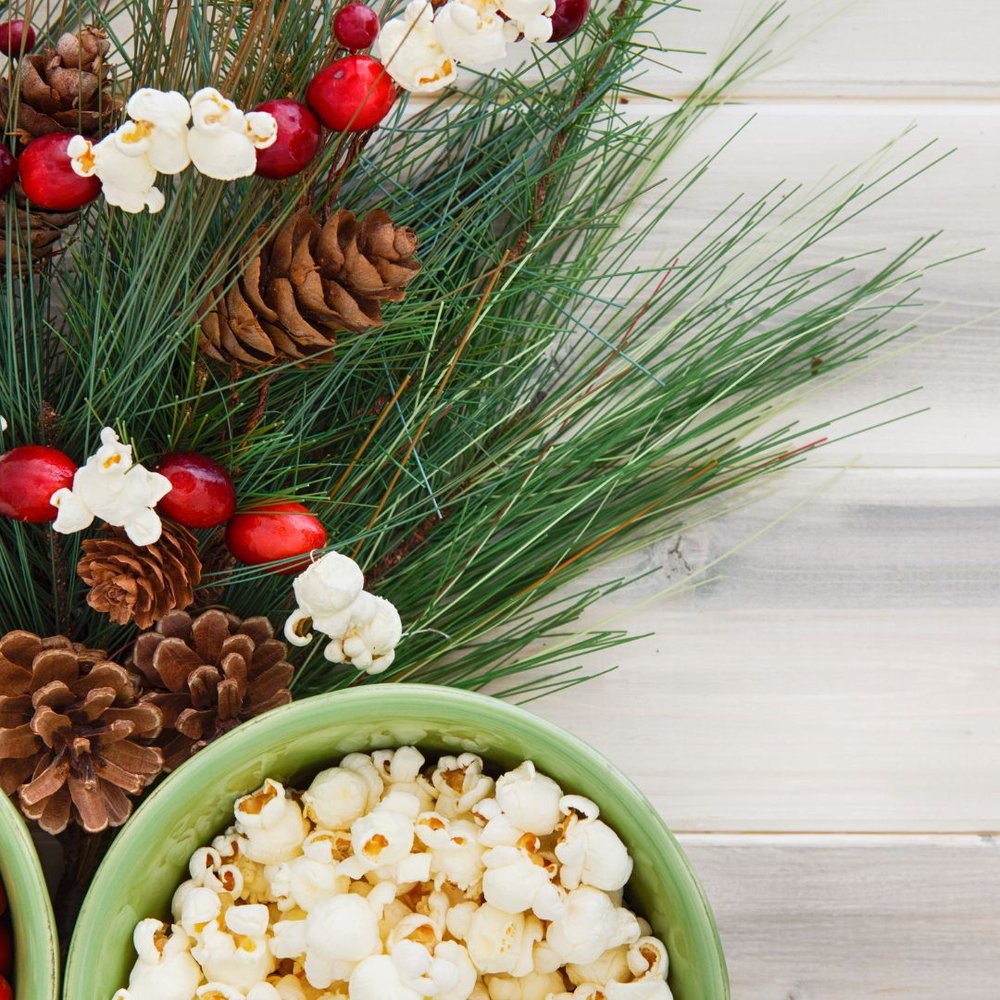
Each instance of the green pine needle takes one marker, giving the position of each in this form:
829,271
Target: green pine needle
570,386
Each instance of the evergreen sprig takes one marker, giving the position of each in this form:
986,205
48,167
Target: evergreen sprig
560,386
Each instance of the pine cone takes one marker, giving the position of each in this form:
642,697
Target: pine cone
208,674
33,232
141,583
65,89
307,285
72,733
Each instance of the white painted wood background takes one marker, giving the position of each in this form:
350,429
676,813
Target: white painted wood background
821,722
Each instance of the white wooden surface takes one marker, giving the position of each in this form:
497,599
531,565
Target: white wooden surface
821,721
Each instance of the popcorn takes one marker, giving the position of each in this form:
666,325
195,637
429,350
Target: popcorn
273,825
471,33
412,52
363,629
339,933
529,800
591,853
235,959
158,128
532,18
165,970
533,986
519,879
339,796
589,925
114,488
223,140
460,784
502,942
505,890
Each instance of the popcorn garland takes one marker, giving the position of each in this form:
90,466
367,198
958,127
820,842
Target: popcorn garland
386,880
221,143
363,630
423,48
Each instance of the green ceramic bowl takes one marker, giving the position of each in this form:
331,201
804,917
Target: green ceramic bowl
149,858
36,949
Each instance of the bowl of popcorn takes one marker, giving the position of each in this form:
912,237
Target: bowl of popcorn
396,842
29,950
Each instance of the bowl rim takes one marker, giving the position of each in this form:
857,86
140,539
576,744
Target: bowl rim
25,870
418,694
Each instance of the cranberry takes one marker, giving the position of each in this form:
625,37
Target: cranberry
569,16
16,37
6,954
297,142
352,94
29,475
8,170
48,178
356,26
275,531
203,494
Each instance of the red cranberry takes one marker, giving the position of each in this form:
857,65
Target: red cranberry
297,142
8,170
16,37
356,26
203,494
29,475
275,531
6,955
48,178
568,18
352,94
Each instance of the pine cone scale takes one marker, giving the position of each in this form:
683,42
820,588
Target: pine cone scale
46,783
18,742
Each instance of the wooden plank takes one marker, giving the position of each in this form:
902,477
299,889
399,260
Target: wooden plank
839,675
894,48
854,918
955,352
804,720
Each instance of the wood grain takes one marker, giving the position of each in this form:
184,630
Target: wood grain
838,673
917,49
855,918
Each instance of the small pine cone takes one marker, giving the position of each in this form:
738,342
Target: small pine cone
307,285
34,233
73,734
208,674
63,89
141,583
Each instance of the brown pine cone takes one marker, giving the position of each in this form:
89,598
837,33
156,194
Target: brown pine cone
308,284
140,583
72,733
63,89
34,233
208,674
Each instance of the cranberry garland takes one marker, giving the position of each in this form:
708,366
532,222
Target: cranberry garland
201,495
354,93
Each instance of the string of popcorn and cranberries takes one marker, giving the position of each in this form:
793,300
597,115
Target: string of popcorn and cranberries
166,133
388,879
